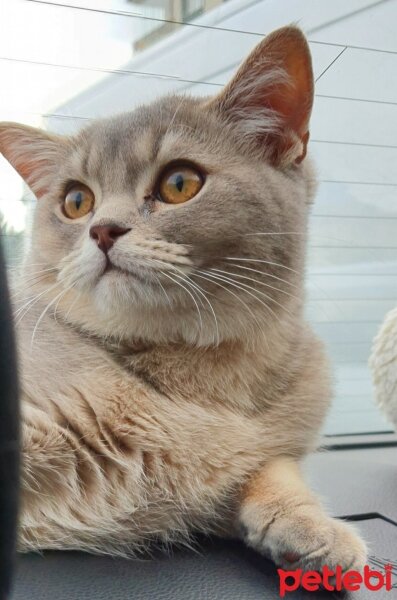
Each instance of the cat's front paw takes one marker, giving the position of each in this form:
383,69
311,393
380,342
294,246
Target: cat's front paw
305,539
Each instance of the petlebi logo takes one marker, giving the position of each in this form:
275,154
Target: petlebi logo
337,580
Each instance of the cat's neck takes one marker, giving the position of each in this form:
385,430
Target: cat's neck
144,332
246,371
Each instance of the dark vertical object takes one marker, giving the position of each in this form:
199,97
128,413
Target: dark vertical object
9,438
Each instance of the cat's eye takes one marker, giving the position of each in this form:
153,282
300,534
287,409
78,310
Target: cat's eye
78,202
180,183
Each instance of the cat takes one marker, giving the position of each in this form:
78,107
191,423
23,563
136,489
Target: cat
170,383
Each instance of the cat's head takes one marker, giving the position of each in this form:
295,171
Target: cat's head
186,218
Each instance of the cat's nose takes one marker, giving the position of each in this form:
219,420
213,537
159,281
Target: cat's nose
106,235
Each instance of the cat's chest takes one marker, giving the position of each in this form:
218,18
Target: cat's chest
225,376
167,421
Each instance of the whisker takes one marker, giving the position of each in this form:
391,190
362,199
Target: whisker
192,286
63,292
255,290
188,281
78,296
53,269
265,273
321,308
190,294
276,233
239,285
32,301
196,274
153,261
163,289
256,281
60,298
21,267
309,282
24,277
18,288
260,260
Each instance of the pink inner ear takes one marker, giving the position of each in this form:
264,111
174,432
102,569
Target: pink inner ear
294,101
32,172
33,154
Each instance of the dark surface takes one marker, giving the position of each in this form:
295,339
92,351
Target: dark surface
220,571
8,437
356,481
225,570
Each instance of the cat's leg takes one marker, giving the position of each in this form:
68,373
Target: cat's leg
67,496
281,518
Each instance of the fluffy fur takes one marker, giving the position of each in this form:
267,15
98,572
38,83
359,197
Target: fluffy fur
383,364
178,392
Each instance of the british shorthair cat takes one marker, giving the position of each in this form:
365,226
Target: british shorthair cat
170,382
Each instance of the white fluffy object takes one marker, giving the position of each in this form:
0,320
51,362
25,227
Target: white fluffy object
383,364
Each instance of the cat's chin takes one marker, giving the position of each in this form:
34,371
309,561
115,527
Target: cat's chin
120,290
136,275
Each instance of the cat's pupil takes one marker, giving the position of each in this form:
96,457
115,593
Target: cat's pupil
78,200
179,183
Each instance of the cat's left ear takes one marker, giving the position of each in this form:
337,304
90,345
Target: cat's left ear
33,153
270,98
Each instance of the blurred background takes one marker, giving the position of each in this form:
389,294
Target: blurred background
65,63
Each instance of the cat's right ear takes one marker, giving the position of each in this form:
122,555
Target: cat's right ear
269,100
33,153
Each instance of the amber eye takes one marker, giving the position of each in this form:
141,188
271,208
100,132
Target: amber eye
79,201
179,184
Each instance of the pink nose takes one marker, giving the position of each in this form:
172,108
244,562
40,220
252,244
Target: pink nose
106,235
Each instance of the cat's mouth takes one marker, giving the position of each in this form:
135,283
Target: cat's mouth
111,268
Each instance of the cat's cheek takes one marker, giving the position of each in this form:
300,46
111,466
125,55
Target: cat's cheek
83,267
